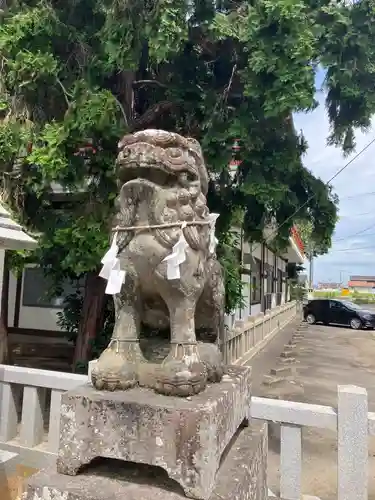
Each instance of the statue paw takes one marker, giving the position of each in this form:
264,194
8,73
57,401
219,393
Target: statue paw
182,373
114,371
211,357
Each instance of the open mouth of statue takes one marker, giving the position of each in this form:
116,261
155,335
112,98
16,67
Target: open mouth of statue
160,166
155,173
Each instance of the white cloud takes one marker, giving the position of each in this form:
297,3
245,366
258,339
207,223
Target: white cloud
351,253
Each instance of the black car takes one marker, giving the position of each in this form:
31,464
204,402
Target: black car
338,312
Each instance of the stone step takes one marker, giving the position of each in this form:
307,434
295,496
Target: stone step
288,347
287,354
281,370
13,485
8,461
271,380
271,496
288,360
8,466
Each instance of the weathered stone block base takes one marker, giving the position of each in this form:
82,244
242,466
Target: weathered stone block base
186,437
242,476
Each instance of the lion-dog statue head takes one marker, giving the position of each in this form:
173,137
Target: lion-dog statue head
169,171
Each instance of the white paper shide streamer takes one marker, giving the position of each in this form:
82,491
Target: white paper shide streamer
115,277
213,240
111,270
177,257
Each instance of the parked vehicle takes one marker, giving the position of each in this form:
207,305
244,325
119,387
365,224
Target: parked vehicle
338,312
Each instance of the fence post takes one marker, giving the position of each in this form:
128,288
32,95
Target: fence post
8,412
54,420
352,433
290,462
32,421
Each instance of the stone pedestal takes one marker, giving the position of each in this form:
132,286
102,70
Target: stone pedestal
185,437
242,476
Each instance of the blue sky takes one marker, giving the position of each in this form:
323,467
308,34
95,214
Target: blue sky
355,187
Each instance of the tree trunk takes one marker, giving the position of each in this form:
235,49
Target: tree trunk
4,347
92,318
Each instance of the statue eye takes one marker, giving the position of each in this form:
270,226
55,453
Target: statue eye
174,152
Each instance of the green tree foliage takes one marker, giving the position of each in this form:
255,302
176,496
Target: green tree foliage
77,74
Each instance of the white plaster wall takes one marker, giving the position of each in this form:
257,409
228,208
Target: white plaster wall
38,318
246,247
2,257
270,257
256,250
11,298
281,264
256,309
245,312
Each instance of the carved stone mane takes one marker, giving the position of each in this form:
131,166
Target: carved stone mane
167,172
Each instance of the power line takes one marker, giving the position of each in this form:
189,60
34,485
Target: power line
275,231
367,193
352,249
355,215
351,236
355,234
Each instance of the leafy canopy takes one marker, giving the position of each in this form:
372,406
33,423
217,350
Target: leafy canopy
75,75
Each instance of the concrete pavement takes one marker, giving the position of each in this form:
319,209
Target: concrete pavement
266,360
325,357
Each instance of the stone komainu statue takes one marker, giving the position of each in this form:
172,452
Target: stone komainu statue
163,179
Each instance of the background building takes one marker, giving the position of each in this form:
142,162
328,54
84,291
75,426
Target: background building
364,284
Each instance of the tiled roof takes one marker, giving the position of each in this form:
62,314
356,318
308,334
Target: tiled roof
297,238
329,284
363,284
12,236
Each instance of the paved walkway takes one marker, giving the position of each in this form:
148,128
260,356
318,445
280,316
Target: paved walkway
266,359
325,358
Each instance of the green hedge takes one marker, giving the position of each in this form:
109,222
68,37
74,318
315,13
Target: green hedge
357,297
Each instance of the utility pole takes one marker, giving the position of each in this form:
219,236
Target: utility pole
311,271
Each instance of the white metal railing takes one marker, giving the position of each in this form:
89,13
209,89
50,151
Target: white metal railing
30,402
246,338
353,424
30,398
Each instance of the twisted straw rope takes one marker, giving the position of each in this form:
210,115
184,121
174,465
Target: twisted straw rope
161,226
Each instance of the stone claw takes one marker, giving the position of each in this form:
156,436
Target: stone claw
182,373
211,357
114,371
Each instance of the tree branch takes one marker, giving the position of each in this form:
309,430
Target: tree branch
154,112
228,87
126,94
122,111
65,92
141,83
